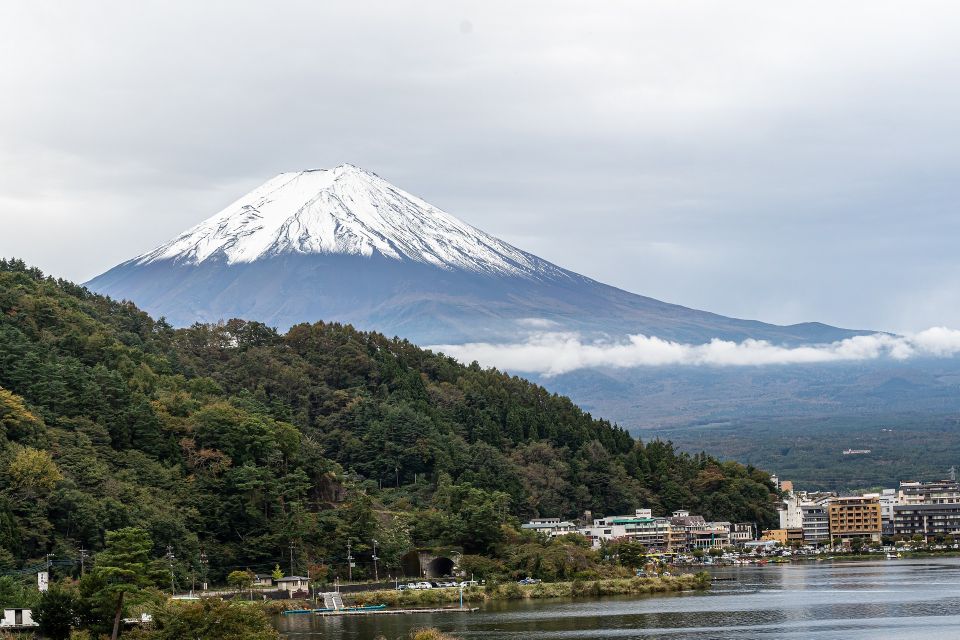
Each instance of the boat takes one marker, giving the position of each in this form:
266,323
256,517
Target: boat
295,611
352,609
892,556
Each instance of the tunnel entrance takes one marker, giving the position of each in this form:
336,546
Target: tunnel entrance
439,567
410,563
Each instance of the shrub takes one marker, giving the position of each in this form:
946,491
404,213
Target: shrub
211,619
56,612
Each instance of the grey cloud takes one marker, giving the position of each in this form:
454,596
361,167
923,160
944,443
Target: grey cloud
754,159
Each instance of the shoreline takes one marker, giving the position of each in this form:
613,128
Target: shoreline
543,590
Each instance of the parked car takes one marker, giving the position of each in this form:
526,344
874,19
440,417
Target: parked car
468,583
447,584
528,580
424,585
413,585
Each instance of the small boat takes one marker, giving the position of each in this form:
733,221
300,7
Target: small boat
893,556
352,609
294,611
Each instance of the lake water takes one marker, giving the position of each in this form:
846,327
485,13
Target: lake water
849,600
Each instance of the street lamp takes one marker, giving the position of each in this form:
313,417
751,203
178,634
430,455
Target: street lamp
204,561
349,563
170,559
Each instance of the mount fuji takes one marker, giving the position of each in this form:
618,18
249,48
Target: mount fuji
345,245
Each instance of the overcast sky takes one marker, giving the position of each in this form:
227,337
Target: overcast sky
785,162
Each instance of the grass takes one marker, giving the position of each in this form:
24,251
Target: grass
429,634
514,591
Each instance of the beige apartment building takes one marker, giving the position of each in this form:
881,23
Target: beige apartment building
855,517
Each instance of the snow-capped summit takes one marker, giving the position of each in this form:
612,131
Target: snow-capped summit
344,210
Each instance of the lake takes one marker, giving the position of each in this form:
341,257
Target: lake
849,600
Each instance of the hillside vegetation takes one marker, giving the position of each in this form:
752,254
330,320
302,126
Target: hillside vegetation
239,441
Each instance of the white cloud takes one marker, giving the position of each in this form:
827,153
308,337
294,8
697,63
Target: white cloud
554,353
536,323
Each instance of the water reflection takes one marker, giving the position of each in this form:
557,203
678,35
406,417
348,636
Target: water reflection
851,600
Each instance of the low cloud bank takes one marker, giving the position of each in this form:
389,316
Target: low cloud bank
554,353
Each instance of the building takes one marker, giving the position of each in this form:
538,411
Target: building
815,524
17,619
939,492
888,500
550,526
653,533
854,517
761,545
263,580
784,537
293,585
791,516
926,519
715,535
642,527
742,532
684,529
680,532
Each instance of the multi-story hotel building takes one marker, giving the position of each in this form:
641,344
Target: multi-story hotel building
854,517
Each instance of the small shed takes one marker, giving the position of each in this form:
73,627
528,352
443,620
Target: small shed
17,619
293,585
263,580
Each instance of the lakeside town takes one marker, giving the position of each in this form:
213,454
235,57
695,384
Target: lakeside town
915,512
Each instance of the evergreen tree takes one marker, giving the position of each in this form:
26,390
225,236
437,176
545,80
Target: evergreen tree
121,569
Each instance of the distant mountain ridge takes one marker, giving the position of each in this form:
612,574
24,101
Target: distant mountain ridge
345,245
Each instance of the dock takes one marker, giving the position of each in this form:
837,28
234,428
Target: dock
382,612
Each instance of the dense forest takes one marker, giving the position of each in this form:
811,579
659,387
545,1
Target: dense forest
254,447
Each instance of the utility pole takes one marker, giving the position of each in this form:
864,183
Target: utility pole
953,474
376,574
170,558
83,558
291,558
204,561
349,563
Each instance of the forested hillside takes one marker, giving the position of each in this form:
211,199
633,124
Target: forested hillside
239,441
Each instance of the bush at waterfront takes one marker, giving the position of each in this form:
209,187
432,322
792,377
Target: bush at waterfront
514,591
210,619
429,634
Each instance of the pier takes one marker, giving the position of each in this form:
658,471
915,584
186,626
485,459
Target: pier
373,612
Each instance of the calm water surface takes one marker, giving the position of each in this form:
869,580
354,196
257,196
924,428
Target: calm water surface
850,600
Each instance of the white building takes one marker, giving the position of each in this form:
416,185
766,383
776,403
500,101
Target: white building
791,514
742,532
816,524
293,584
550,526
938,492
17,619
642,527
888,500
